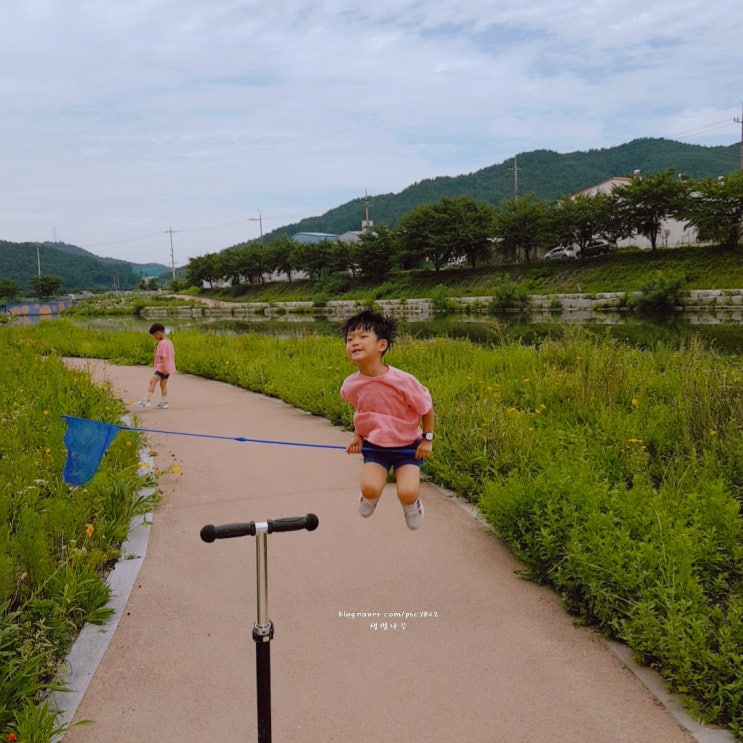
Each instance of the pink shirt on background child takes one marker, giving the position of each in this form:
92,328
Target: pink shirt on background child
388,408
165,357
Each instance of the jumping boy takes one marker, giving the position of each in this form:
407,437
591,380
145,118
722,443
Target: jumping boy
164,367
390,408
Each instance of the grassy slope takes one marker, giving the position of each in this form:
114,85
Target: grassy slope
625,270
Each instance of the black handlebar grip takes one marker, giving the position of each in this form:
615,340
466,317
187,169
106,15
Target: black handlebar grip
209,532
309,522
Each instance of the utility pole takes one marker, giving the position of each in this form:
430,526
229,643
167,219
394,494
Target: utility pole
515,170
260,223
172,256
740,121
38,258
366,223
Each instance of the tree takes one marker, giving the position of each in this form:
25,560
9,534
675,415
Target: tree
375,254
643,204
715,207
449,230
279,256
338,258
469,226
9,290
253,262
523,226
45,287
312,258
420,240
577,221
203,268
149,283
231,266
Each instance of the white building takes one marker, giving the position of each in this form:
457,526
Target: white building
673,232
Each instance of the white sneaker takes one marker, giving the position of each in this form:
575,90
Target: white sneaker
367,506
142,404
413,514
162,405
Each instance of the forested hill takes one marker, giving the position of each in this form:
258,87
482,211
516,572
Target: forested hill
547,174
78,269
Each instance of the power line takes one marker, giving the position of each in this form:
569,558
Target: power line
717,125
120,242
157,234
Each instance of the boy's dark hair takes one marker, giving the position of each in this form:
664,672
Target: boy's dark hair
156,327
383,326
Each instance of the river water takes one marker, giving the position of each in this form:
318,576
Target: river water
672,330
720,328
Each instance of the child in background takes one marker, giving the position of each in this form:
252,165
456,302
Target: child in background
390,408
164,367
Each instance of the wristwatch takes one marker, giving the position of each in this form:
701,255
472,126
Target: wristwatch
429,436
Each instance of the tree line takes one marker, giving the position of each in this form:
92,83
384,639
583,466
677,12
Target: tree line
43,287
463,230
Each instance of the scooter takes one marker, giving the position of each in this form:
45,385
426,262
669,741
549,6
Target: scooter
263,627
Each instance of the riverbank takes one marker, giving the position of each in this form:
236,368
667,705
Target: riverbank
625,270
701,306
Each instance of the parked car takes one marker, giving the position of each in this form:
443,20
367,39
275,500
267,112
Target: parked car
560,253
597,247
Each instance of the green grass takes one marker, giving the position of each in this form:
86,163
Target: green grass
613,472
56,542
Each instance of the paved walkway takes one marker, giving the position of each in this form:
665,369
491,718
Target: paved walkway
473,653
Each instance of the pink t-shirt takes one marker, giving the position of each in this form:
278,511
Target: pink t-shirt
388,408
165,357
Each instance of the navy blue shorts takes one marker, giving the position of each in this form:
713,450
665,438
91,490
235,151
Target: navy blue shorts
161,375
391,457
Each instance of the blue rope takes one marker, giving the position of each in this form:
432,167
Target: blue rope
241,439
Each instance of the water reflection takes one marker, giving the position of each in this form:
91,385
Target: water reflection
673,330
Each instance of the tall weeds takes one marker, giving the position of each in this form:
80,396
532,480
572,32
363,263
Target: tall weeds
56,542
614,473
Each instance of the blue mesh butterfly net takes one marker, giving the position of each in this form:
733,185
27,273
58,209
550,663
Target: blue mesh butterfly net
88,440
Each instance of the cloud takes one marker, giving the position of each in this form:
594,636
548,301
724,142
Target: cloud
122,118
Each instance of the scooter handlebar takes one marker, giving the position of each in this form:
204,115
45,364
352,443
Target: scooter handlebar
294,523
226,531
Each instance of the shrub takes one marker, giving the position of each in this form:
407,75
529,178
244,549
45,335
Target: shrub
440,299
508,296
660,292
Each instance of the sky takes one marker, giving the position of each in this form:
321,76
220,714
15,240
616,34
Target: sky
160,130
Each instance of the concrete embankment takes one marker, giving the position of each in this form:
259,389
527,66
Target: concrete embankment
701,306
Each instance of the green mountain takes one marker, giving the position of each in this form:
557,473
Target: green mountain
78,269
547,174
